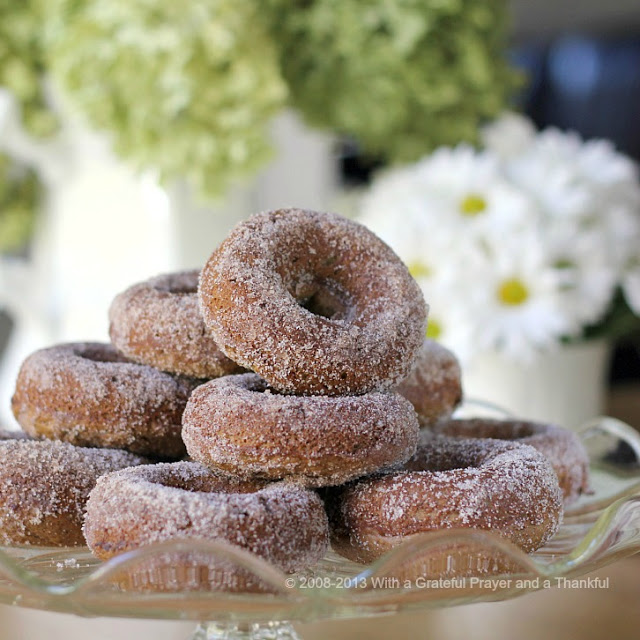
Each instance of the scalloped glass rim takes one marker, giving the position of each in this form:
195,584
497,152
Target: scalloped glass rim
599,529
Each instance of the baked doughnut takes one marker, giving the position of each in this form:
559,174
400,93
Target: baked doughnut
283,523
314,303
239,426
158,322
434,386
44,486
450,483
562,447
88,394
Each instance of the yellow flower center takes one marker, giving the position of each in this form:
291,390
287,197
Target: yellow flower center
513,292
434,329
472,205
419,269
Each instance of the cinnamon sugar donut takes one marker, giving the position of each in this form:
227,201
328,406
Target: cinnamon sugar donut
562,447
238,425
434,386
314,303
88,394
158,322
44,486
450,483
283,523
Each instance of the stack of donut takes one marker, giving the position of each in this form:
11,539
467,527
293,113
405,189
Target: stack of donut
295,361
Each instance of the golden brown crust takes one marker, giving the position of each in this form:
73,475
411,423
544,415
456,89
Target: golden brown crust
314,303
44,486
90,395
158,322
283,523
434,386
239,426
506,488
562,447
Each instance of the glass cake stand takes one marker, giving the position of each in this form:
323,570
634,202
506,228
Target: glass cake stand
601,528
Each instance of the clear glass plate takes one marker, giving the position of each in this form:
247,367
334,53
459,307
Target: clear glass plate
601,528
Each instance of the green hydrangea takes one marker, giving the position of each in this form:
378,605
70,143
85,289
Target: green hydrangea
20,195
22,64
401,77
187,88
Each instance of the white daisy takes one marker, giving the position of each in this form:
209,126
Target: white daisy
508,136
452,302
519,246
544,170
587,275
444,199
521,309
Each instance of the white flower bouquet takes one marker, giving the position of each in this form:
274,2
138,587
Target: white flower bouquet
531,241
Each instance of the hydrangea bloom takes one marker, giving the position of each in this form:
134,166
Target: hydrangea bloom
22,64
401,77
20,194
520,245
21,71
186,88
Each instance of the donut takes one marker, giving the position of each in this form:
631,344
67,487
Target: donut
314,303
505,487
434,386
158,322
44,487
562,447
282,523
238,425
90,395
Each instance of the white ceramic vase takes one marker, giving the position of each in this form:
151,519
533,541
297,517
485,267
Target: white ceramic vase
566,386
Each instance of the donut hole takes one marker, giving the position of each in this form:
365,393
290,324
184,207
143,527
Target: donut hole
323,298
436,463
256,384
185,290
444,454
207,483
179,284
482,428
323,304
101,353
438,453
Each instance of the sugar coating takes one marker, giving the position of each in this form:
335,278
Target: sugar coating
158,322
434,386
562,447
367,317
88,394
506,487
44,487
282,523
240,426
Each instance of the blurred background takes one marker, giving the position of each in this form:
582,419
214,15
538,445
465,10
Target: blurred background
133,136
